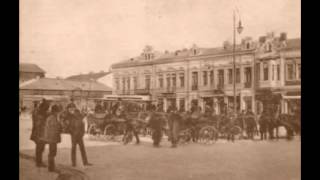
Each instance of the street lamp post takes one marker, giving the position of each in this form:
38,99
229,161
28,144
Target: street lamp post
239,29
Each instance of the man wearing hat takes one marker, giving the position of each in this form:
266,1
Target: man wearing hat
156,124
52,131
71,104
39,116
174,121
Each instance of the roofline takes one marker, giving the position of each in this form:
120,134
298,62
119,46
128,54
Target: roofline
179,59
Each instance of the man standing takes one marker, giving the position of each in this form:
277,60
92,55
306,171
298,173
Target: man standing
71,104
156,124
174,121
38,123
77,130
51,136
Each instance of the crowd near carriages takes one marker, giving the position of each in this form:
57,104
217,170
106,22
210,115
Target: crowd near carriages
130,119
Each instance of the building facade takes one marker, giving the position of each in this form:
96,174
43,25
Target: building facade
204,76
29,71
81,91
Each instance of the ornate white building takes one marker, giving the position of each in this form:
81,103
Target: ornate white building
205,75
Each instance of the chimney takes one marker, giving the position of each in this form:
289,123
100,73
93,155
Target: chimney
262,39
283,36
226,44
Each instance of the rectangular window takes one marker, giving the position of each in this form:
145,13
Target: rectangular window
299,69
220,78
230,76
148,81
238,75
194,81
273,72
135,83
291,71
248,76
174,80
168,81
128,83
278,72
211,77
205,78
123,84
265,71
160,81
117,84
258,71
181,79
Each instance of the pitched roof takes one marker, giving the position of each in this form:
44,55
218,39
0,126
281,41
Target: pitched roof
88,77
28,67
183,54
178,55
62,84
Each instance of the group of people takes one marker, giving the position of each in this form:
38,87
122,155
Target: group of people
49,122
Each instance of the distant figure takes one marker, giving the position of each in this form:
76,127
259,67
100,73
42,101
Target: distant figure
98,108
71,104
174,122
156,124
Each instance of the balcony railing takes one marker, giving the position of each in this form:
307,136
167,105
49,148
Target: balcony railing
142,91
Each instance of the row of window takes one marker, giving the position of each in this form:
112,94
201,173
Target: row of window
293,71
171,79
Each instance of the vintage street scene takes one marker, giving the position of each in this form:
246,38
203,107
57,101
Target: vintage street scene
160,90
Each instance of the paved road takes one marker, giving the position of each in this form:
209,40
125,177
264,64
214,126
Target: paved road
242,160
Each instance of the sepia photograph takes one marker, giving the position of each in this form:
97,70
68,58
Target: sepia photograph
159,90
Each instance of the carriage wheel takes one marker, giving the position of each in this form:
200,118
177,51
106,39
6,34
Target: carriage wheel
208,135
110,132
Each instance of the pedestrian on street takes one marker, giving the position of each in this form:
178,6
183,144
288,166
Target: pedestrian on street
156,124
52,136
38,123
71,104
174,122
77,130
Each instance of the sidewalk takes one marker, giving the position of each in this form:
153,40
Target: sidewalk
28,170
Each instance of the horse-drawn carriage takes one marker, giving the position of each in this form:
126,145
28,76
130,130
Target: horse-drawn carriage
203,128
110,125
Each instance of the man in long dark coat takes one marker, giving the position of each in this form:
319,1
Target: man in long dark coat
174,122
156,124
77,130
52,136
39,116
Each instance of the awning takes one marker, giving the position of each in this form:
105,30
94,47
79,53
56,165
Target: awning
291,97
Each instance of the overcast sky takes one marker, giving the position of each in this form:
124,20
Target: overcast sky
66,37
